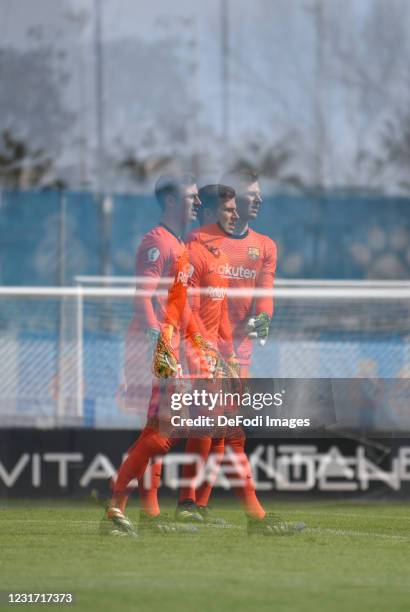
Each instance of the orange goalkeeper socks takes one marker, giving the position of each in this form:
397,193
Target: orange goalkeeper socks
148,488
216,454
149,444
199,447
238,471
244,486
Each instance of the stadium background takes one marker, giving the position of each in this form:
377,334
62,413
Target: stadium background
97,99
52,242
52,239
81,152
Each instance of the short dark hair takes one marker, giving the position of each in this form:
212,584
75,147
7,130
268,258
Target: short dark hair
172,184
239,177
211,196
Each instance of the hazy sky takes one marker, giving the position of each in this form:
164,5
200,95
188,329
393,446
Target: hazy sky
294,76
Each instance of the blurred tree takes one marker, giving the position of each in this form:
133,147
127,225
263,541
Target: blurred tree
395,141
159,122
33,119
367,61
273,162
140,169
22,167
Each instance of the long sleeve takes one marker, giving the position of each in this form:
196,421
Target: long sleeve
266,278
183,304
150,263
225,331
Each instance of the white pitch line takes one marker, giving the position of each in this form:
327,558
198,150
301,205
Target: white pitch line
46,520
79,522
351,515
339,532
363,534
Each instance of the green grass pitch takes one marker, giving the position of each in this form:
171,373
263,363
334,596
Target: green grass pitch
351,557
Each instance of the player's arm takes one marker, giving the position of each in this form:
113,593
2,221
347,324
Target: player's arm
183,303
194,328
225,330
195,284
226,344
258,325
165,363
181,313
150,264
177,293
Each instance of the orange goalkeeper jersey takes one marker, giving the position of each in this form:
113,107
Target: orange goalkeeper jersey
250,263
156,257
197,300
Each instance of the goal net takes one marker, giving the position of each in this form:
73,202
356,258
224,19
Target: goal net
62,350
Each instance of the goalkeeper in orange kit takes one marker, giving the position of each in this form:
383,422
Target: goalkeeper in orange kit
200,336
208,313
208,246
160,248
252,264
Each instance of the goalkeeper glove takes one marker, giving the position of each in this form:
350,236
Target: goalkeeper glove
233,366
165,361
258,327
213,361
209,355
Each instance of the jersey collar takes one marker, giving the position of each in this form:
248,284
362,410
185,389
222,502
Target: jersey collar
234,236
170,231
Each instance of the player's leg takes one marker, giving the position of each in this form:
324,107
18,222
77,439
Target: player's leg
151,518
259,522
238,469
149,484
152,443
149,444
216,454
241,473
199,448
203,492
122,500
193,499
148,488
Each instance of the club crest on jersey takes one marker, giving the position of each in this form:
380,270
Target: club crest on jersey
253,253
153,254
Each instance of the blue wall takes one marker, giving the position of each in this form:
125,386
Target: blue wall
341,237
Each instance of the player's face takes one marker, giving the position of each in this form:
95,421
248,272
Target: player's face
249,202
190,203
228,215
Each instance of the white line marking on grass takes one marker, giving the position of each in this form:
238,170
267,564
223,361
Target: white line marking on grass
318,530
349,515
352,532
46,520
